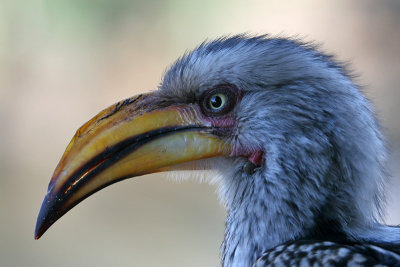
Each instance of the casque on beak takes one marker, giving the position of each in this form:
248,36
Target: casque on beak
137,136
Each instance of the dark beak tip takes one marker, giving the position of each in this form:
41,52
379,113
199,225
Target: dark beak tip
41,224
41,228
45,218
37,236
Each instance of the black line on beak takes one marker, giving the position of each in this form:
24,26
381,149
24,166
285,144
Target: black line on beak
51,209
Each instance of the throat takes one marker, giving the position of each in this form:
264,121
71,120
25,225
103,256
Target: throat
260,217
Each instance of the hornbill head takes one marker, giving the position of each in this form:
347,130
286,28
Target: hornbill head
302,152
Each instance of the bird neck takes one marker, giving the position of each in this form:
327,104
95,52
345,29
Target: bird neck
261,215
277,203
282,202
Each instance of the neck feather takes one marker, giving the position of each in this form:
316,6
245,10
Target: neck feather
262,213
288,199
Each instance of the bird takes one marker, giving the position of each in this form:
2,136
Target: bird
298,149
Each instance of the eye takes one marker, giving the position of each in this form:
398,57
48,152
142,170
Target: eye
219,100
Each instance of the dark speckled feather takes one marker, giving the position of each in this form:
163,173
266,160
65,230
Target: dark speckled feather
326,253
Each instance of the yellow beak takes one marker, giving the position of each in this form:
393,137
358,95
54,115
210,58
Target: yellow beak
137,136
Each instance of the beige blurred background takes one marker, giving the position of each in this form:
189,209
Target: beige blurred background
62,61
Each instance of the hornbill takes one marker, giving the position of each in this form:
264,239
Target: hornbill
299,152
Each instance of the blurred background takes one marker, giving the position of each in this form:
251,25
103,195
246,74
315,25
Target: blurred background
62,61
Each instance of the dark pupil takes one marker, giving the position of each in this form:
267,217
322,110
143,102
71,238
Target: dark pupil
216,101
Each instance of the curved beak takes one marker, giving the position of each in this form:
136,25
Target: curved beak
137,136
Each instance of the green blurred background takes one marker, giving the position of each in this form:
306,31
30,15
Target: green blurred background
63,61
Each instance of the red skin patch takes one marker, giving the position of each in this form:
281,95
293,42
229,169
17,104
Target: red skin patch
256,157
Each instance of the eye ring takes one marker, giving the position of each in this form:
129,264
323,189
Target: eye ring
219,100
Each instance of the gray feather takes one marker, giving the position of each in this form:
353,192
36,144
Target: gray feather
323,173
